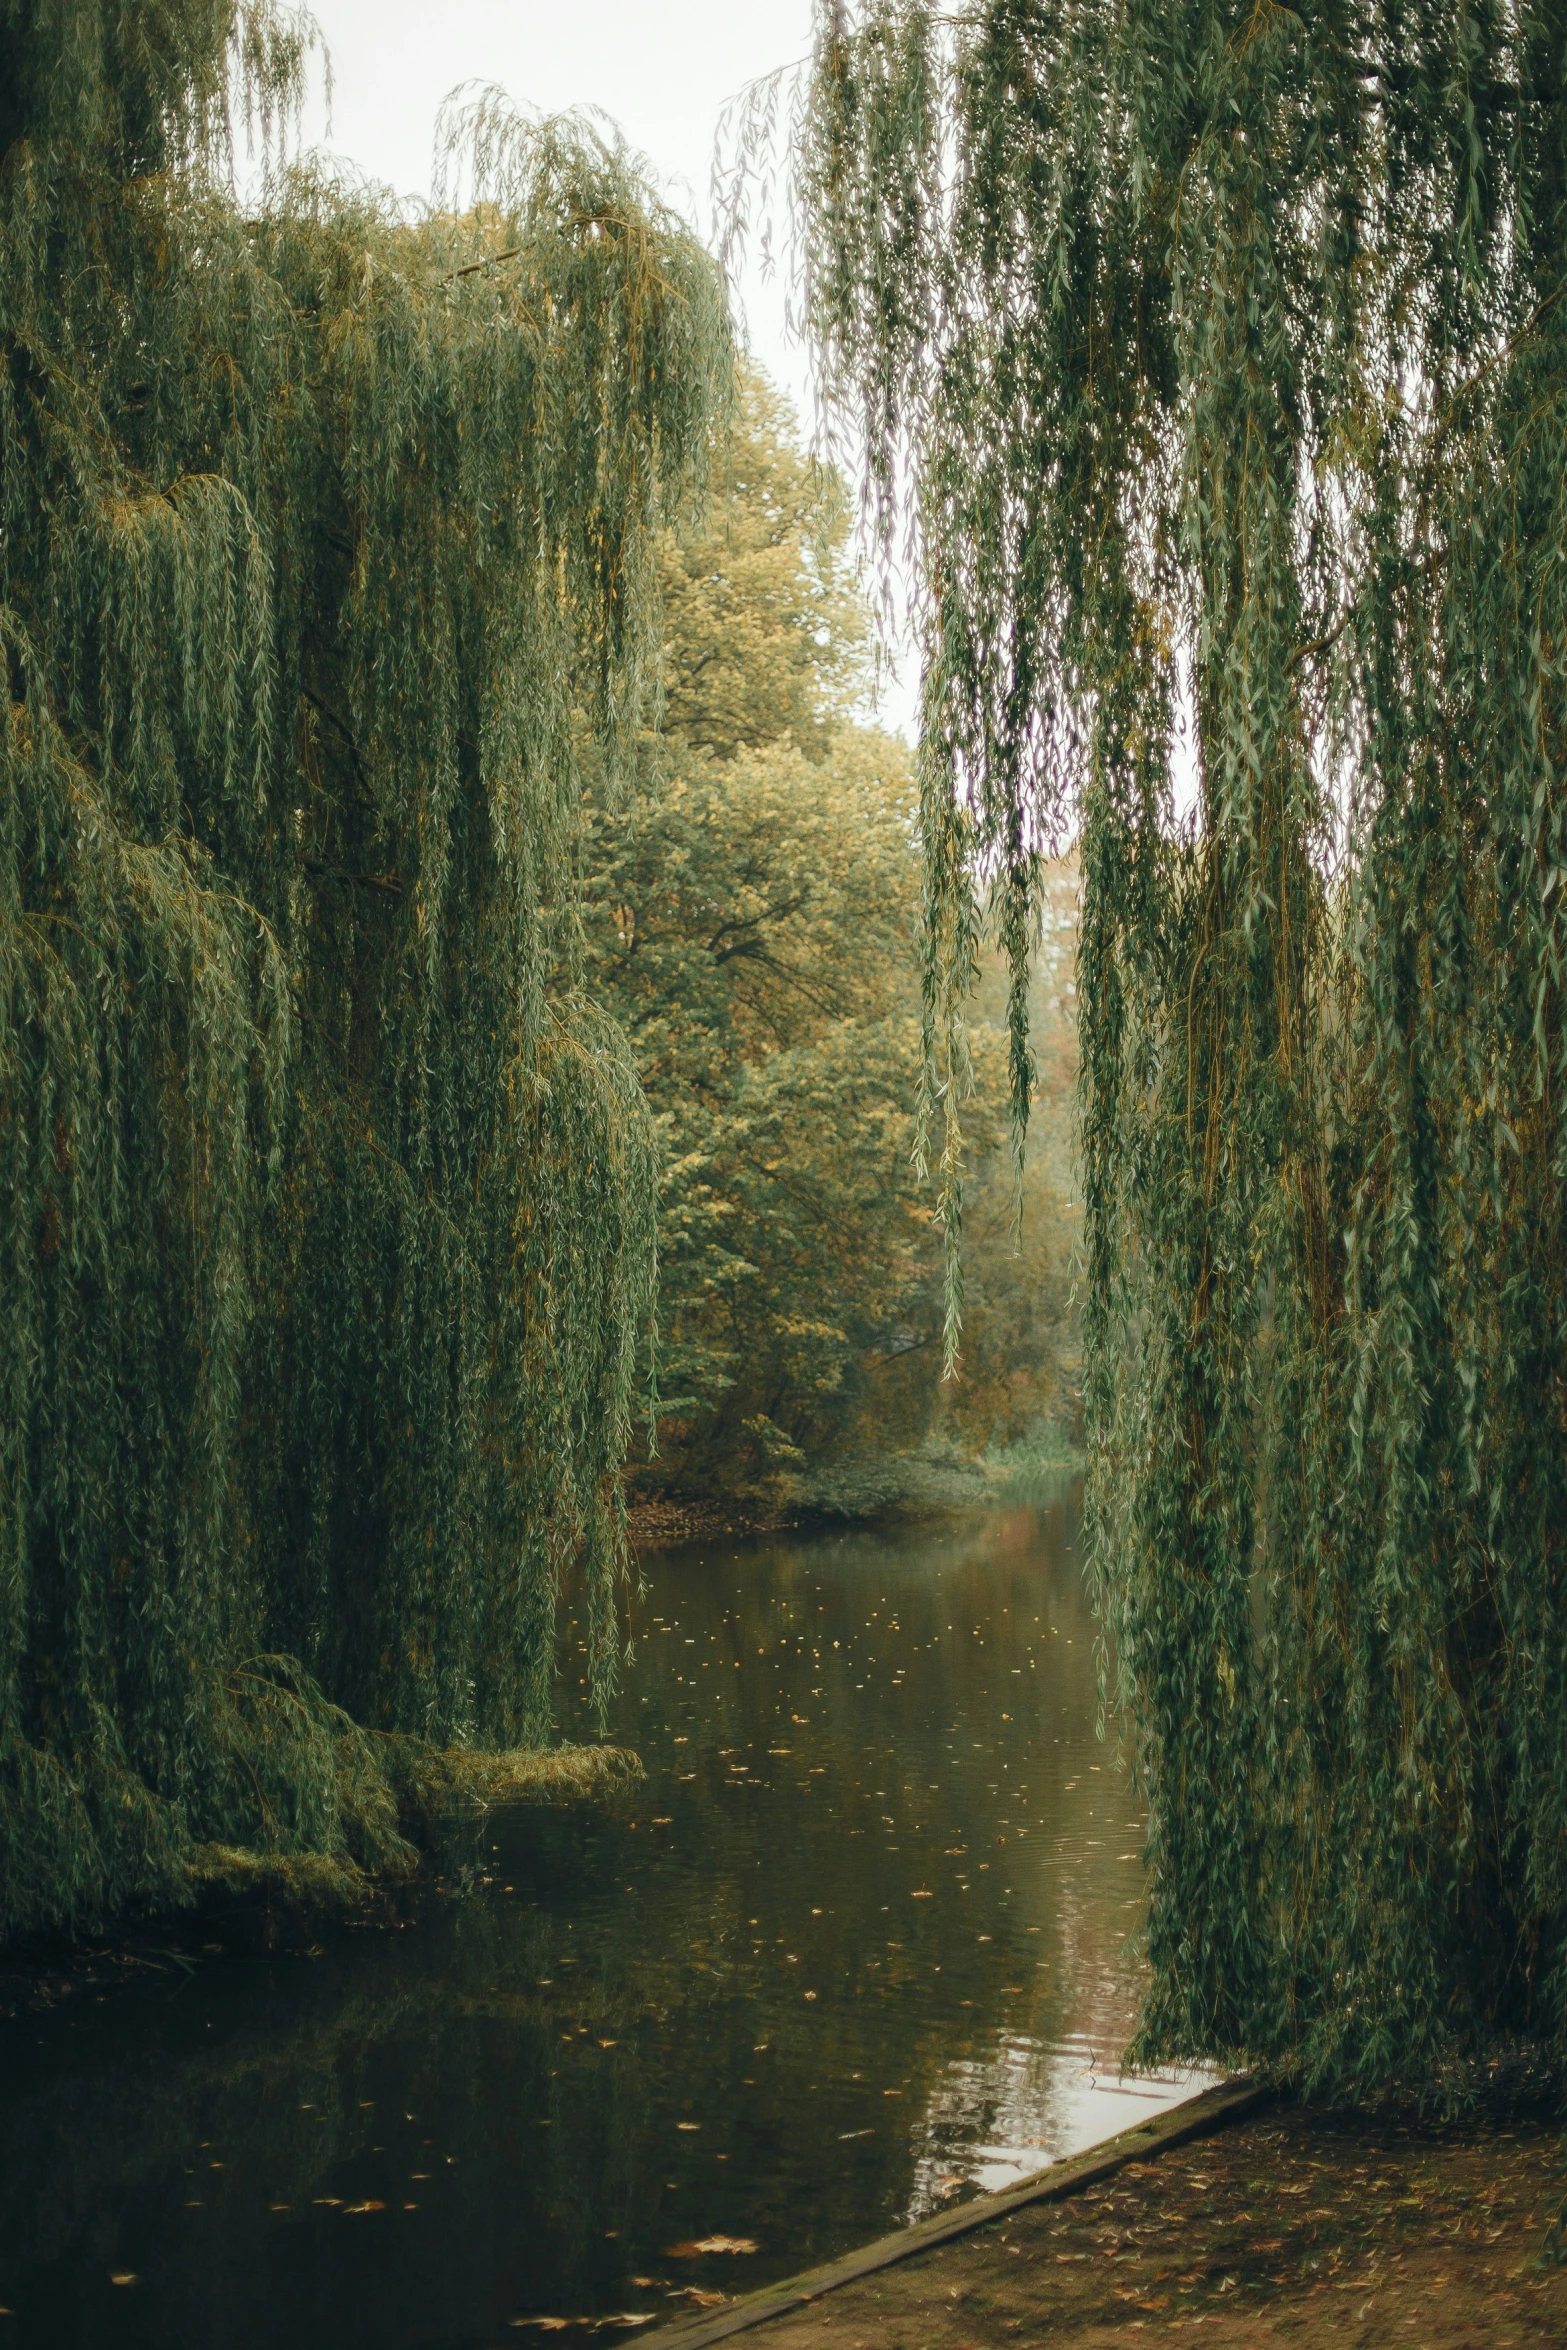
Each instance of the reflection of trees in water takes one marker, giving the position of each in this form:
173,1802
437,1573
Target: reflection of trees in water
1020,2102
305,2069
631,1921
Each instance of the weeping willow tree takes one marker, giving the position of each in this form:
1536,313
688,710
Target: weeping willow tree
1217,358
328,546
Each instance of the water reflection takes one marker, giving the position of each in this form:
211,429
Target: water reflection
856,1946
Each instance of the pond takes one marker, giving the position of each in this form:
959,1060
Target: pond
854,1948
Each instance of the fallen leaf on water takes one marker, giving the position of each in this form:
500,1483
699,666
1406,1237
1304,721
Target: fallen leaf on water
919,1894
558,2325
712,2244
124,2276
370,2204
688,2125
845,2135
609,2043
334,2200
702,2300
810,1995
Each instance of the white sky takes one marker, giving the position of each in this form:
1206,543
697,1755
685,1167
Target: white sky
662,70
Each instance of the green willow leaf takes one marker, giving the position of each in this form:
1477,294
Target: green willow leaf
329,543
1217,358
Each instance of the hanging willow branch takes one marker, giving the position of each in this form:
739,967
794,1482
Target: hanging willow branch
1218,349
326,1202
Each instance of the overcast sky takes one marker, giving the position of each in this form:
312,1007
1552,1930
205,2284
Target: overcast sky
662,70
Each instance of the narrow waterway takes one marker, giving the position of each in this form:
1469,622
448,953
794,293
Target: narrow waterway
855,1947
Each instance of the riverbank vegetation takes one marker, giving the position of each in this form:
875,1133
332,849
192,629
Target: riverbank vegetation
329,558
1224,353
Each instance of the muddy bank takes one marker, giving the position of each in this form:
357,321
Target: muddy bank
1289,2226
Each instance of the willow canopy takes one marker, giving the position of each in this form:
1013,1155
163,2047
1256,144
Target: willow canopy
1222,351
328,545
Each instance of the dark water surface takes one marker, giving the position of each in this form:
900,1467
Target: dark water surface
854,1947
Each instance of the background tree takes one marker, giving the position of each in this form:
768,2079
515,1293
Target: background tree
751,921
752,918
329,537
1226,354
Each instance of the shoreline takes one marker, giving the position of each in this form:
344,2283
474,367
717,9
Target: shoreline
1212,2109
274,1897
661,1521
1263,2221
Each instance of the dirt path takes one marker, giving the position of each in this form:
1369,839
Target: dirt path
1292,2227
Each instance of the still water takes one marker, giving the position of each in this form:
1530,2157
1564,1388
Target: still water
855,1947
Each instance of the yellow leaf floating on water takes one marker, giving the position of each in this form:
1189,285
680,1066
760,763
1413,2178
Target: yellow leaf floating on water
350,2209
712,2244
124,2276
688,2125
558,2325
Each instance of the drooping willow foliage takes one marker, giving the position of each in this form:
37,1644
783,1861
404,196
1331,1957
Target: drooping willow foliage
328,542
1222,353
